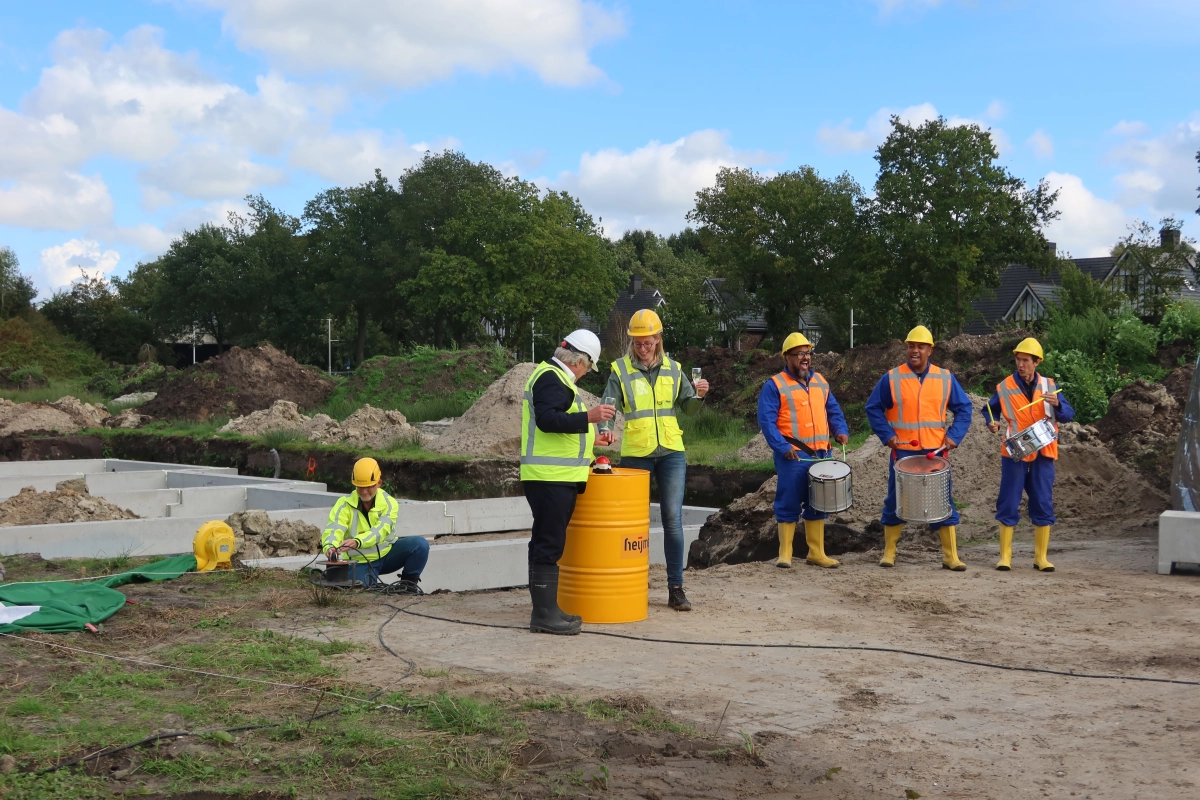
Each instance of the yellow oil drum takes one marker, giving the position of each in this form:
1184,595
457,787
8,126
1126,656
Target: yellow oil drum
604,573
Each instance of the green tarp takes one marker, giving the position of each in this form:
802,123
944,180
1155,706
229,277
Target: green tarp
69,606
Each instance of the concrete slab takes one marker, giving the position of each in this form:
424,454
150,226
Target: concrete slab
1178,539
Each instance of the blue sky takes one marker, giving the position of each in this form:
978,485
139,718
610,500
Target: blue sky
124,123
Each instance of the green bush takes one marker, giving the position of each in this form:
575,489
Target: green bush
1082,381
1085,333
1131,342
1180,321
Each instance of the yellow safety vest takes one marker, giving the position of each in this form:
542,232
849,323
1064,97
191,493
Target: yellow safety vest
649,411
375,538
560,457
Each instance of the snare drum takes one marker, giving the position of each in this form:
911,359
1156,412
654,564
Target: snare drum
1025,443
923,489
829,487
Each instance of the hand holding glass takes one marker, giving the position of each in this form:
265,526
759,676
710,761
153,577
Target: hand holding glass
695,375
609,424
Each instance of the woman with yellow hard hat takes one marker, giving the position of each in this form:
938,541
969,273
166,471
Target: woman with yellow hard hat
1020,400
651,388
796,414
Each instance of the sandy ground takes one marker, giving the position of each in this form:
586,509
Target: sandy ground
892,722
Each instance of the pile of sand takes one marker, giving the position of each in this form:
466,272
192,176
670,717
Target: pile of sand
238,381
366,427
69,502
65,415
492,426
258,536
1143,424
1092,486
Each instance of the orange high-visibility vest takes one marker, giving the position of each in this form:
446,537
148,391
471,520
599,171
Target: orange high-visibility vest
1011,401
802,410
918,409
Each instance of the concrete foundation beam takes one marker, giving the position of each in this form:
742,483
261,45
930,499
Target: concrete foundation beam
1178,539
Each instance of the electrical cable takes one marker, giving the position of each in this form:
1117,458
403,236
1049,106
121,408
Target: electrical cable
863,648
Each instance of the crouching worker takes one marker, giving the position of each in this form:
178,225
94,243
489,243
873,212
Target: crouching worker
556,457
796,412
362,528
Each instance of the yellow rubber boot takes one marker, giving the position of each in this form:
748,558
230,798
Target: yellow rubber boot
787,530
814,534
950,549
891,538
1041,544
1005,562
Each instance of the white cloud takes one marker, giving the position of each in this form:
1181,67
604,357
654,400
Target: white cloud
653,186
1088,226
844,139
353,157
64,201
1041,144
410,42
68,261
208,171
1160,171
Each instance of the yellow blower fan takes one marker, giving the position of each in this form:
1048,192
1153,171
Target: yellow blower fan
213,546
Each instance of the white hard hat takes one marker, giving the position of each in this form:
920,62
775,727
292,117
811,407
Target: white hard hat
587,342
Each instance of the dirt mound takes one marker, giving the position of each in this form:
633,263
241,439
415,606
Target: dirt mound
258,536
1143,423
1091,486
69,502
367,427
979,362
65,415
238,382
492,426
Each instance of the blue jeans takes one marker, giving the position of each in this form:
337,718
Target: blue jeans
791,491
670,473
408,554
1036,479
888,517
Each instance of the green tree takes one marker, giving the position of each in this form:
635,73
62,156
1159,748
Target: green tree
16,290
92,312
677,268
1151,269
1081,292
786,240
950,220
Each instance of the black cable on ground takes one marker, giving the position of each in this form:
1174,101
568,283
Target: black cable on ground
412,666
860,647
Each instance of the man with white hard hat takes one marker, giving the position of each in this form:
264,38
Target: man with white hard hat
556,457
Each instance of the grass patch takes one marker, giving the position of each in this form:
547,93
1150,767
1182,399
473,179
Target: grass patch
57,389
30,338
710,434
277,438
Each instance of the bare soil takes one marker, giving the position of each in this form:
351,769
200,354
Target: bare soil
852,723
65,415
69,502
1143,423
238,382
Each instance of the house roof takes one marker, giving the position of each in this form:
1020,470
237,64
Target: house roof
994,306
631,301
751,320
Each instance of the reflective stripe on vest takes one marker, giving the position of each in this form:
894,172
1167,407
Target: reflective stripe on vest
919,406
372,546
1012,398
564,457
649,411
802,409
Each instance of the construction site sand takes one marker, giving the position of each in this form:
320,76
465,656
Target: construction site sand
69,502
890,722
1090,482
492,425
366,427
65,415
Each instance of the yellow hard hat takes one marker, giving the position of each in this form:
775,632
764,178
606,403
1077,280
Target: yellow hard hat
1030,347
920,335
366,472
644,323
795,340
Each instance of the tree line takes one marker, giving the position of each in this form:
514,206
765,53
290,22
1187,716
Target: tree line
455,252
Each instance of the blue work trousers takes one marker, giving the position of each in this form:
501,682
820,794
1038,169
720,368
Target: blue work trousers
888,517
791,492
1034,478
669,472
407,556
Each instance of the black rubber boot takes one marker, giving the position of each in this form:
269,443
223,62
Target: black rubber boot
547,617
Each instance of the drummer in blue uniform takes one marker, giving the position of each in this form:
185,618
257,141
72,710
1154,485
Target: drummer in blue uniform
1021,400
796,412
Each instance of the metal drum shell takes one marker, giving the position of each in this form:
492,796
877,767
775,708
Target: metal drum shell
604,572
1028,441
923,496
830,494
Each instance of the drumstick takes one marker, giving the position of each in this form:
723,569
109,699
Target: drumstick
1040,399
932,453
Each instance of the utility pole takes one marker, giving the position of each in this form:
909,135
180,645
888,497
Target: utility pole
193,344
852,329
329,336
533,340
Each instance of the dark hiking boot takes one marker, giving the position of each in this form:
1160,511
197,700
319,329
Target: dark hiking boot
677,600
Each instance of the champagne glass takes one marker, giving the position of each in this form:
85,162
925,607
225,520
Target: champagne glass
607,425
695,375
